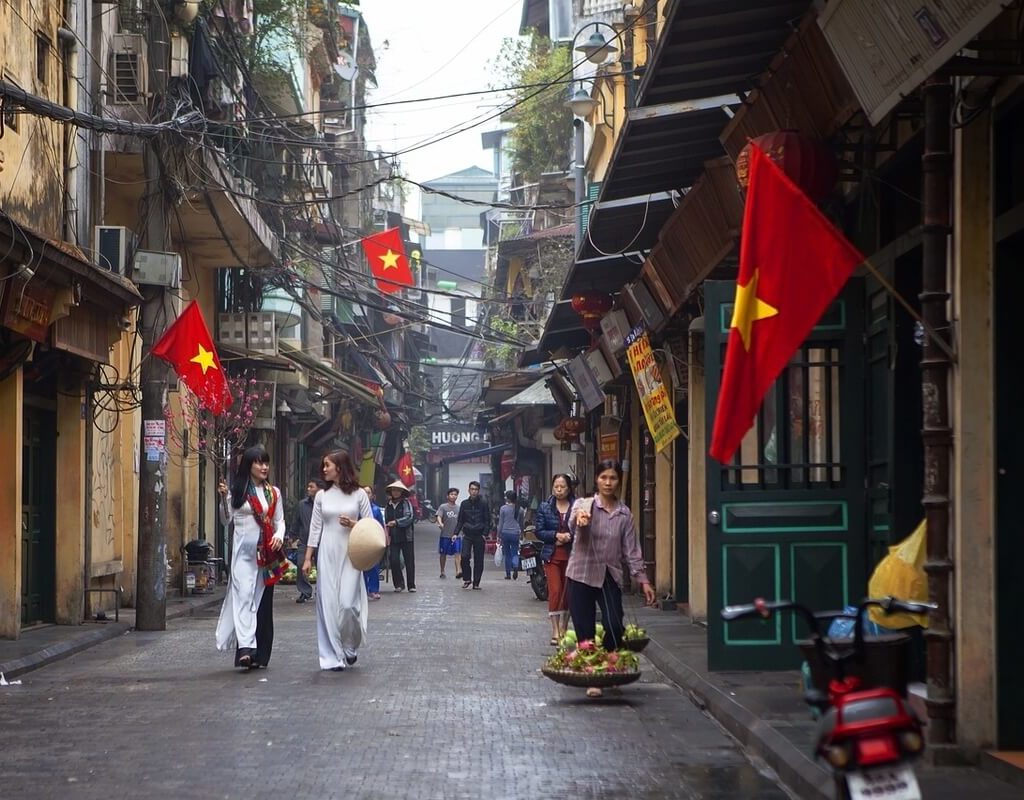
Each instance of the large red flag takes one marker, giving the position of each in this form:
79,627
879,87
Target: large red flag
188,347
793,262
405,470
388,262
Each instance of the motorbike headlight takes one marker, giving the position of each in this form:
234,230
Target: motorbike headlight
911,742
837,756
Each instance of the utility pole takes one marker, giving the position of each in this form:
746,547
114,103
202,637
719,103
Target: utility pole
151,588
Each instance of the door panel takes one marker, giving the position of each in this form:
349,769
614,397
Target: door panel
786,517
38,516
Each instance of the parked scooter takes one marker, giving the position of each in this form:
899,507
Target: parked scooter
530,563
867,734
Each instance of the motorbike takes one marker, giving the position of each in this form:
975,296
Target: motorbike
530,563
867,734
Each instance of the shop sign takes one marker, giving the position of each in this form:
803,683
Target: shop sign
609,447
661,418
27,307
455,437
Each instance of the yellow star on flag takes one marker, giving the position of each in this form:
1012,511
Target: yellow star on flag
749,309
389,259
204,358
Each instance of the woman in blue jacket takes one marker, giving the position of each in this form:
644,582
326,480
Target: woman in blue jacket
553,529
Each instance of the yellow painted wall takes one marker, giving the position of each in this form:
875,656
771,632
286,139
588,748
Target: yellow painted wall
70,542
32,152
697,500
11,395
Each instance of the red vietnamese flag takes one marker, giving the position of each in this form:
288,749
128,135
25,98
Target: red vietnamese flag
405,470
188,347
793,262
388,263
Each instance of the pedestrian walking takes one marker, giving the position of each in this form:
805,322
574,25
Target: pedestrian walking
254,508
604,536
372,576
552,528
300,530
509,533
473,521
448,544
341,600
398,516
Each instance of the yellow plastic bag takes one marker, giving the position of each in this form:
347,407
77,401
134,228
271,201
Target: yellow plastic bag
901,574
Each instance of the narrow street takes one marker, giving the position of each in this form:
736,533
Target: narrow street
446,701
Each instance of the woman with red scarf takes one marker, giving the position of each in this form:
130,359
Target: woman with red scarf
257,562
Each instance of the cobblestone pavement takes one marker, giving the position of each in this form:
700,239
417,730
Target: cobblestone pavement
445,702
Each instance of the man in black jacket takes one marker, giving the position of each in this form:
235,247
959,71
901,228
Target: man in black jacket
300,530
473,522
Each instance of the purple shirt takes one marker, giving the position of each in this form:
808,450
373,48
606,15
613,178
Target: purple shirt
603,545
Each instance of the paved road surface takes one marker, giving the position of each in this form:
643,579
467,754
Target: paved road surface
445,702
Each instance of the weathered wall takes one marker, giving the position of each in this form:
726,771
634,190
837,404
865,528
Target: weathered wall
11,394
32,151
71,483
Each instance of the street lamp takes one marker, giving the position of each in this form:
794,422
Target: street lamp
596,50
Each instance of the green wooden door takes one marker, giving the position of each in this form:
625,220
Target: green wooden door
786,518
38,518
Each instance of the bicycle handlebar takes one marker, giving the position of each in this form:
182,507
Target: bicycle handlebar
765,608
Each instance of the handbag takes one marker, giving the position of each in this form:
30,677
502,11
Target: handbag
499,556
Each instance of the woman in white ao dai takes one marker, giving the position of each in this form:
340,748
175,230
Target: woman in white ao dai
341,600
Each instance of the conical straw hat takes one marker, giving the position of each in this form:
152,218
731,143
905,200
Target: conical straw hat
366,544
397,485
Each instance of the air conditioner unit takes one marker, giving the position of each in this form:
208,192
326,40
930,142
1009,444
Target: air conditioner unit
129,68
261,332
642,306
886,50
155,268
113,245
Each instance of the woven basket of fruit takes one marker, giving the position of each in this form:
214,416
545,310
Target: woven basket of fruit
635,638
587,664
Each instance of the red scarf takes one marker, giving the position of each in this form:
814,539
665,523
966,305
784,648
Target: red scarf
272,563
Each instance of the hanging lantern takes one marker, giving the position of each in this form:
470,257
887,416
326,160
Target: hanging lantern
382,419
574,426
591,306
559,432
806,161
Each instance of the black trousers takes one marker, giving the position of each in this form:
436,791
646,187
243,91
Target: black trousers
473,545
264,630
400,550
582,601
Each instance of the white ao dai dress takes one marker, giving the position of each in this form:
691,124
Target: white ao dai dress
237,624
341,603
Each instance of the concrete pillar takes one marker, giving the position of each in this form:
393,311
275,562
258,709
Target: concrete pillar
70,513
974,450
697,501
11,395
664,520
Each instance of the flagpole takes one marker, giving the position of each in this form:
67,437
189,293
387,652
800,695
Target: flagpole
932,334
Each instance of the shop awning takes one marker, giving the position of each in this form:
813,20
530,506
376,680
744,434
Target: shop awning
486,451
335,379
537,394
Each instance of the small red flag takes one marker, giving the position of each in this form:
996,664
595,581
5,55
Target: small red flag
188,347
405,470
388,262
793,262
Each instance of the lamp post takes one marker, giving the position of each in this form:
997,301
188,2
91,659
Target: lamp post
596,49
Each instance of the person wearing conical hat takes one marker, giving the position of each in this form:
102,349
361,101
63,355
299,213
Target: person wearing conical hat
398,518
341,600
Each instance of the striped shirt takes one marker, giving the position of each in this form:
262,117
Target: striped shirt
603,545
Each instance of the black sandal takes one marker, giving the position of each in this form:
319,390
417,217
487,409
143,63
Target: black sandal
245,661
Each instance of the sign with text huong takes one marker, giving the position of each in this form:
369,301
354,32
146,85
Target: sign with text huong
661,418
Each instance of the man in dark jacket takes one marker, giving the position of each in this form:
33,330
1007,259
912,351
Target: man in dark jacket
299,529
473,523
398,519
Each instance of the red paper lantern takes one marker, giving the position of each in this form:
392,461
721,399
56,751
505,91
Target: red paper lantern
573,426
382,419
807,162
591,306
